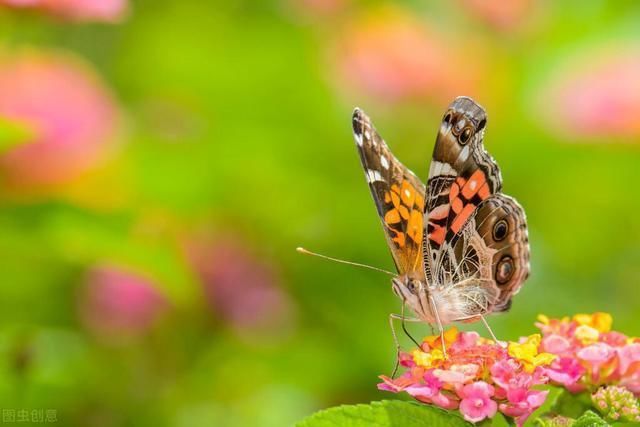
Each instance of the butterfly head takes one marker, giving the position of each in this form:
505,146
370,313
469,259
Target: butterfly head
414,293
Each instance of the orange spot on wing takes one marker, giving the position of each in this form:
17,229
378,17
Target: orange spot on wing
476,180
392,217
414,228
387,197
454,191
407,193
404,212
456,205
462,217
395,199
438,234
484,192
399,239
420,202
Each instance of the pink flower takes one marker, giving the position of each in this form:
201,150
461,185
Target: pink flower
115,301
240,287
70,111
596,354
593,95
428,390
77,10
393,56
476,375
516,383
466,340
445,400
476,403
457,374
629,355
565,370
504,16
524,407
504,370
395,385
555,344
631,381
591,354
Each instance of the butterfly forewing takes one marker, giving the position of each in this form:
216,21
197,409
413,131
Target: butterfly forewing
397,192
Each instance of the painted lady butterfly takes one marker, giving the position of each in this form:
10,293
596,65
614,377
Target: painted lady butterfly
459,244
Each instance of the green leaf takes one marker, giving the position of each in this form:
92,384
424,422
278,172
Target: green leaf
572,405
387,413
590,419
12,134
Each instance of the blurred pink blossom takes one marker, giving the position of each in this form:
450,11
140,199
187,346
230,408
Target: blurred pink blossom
119,302
594,95
76,10
396,57
499,14
592,354
240,287
69,110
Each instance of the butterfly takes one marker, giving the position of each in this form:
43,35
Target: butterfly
460,245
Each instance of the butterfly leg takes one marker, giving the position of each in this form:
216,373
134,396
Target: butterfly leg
486,324
393,316
440,328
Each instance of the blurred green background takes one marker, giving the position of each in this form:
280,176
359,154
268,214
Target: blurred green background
161,160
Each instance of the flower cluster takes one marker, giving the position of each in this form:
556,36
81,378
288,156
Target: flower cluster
589,354
617,404
476,376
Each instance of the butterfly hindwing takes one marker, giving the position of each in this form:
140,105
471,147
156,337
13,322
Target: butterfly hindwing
472,272
397,192
500,221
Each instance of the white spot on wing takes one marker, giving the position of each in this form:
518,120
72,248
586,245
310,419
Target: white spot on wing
441,168
358,138
384,162
374,176
464,154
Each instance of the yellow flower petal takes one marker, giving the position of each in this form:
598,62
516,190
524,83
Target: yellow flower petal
586,334
600,321
427,360
527,353
544,359
450,336
543,318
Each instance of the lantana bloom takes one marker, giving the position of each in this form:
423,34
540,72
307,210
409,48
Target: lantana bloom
111,11
476,376
589,354
616,404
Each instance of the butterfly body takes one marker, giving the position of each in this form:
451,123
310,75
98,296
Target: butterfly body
459,244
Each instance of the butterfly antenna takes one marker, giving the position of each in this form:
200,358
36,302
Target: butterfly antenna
357,264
